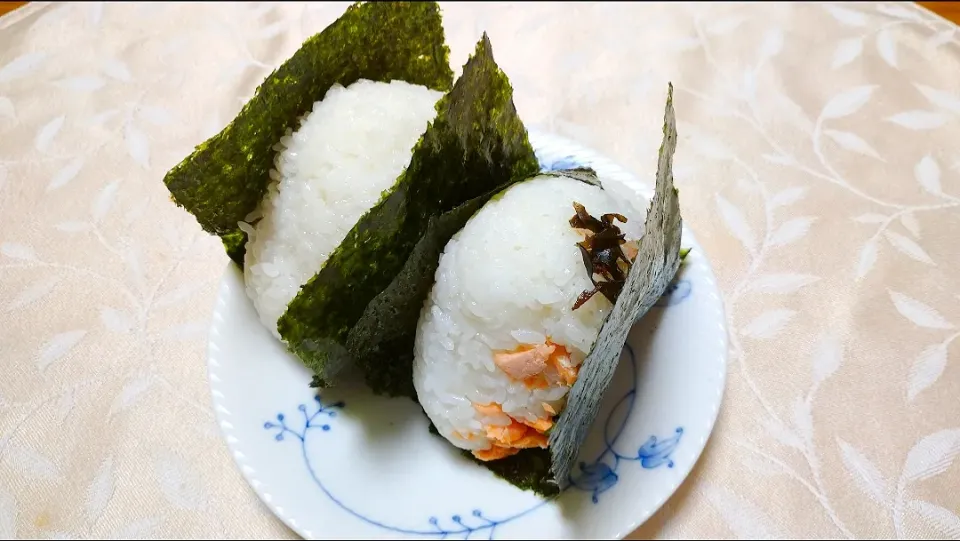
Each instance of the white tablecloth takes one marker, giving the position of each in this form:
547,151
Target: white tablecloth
818,164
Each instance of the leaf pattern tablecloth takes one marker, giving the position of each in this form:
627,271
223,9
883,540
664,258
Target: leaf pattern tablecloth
818,164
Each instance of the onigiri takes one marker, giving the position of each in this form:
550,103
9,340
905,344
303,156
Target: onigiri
505,328
330,171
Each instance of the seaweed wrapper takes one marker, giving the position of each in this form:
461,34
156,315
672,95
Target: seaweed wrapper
382,341
654,267
475,146
226,176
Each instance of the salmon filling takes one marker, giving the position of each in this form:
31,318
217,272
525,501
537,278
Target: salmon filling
538,367
512,438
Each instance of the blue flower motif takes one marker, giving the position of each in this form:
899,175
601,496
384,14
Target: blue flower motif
468,527
595,478
282,429
601,475
655,453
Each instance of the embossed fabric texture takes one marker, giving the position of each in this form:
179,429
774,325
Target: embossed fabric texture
817,163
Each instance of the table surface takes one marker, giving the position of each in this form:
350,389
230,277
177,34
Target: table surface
817,163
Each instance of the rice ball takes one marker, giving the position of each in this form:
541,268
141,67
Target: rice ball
330,171
498,343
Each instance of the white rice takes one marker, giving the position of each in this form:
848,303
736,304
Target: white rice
509,277
347,151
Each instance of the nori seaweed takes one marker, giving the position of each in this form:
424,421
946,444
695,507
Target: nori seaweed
382,341
653,269
226,176
476,145
527,470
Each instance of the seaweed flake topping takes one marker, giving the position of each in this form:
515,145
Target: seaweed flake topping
603,253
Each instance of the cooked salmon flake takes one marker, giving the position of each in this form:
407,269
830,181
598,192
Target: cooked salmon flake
525,362
538,366
495,453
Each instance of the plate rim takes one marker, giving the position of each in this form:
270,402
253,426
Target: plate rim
542,139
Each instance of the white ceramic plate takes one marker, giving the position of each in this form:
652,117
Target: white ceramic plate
350,465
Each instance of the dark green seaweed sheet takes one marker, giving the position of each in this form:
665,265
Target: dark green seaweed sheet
381,343
226,176
476,145
653,269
